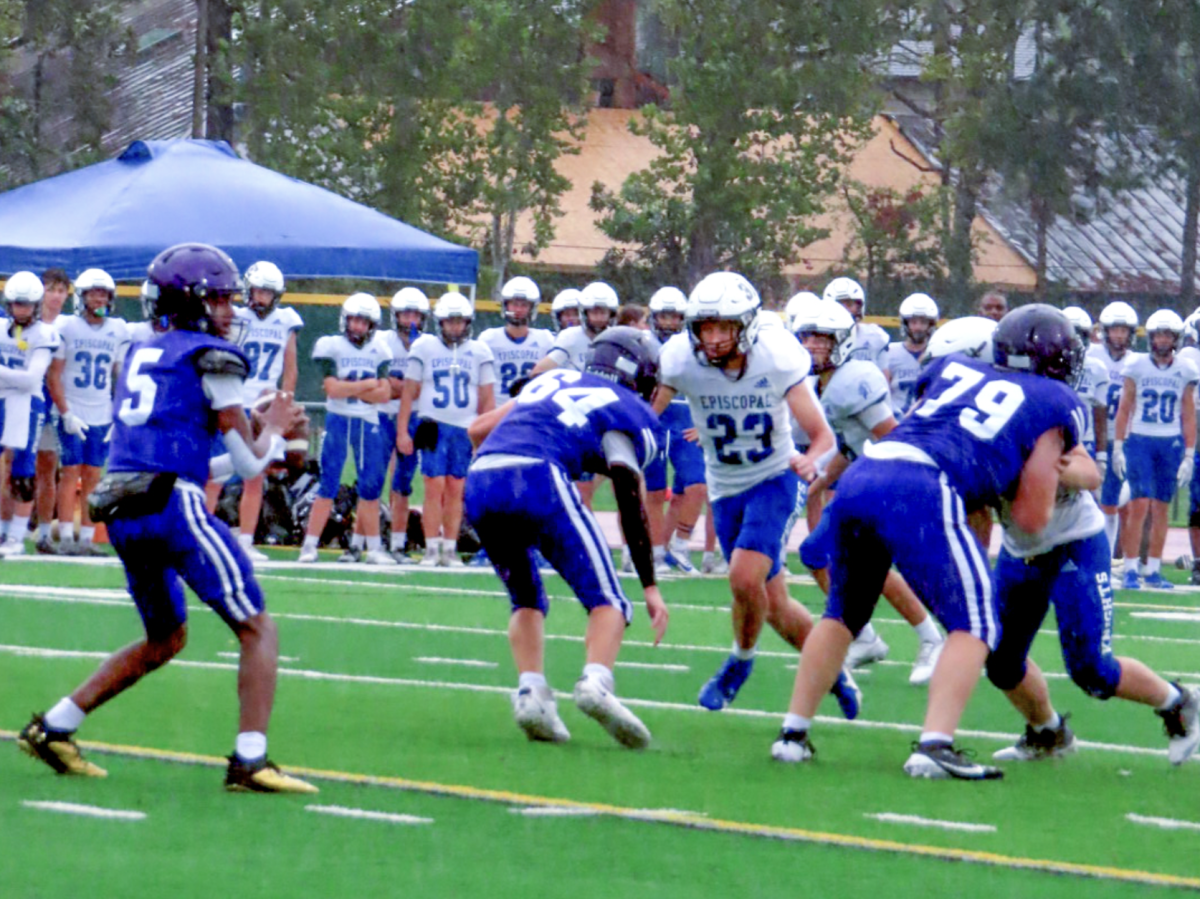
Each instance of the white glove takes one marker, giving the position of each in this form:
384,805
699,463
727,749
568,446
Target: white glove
1186,467
74,425
1102,463
1118,459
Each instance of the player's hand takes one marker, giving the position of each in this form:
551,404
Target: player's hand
1102,463
691,435
404,444
1185,469
657,610
283,415
804,467
1118,460
74,425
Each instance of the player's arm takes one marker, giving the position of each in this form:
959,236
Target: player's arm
1187,416
484,424
546,363
54,384
408,396
487,398
291,367
380,390
662,398
1038,486
629,492
807,412
1078,471
30,378
1124,411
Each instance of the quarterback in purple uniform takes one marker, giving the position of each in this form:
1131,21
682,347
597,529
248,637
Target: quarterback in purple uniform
175,392
521,498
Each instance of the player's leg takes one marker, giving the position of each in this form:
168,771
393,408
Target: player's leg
1159,520
431,517
1194,528
402,481
22,483
334,447
1131,540
370,460
89,477
68,488
902,598
249,511
47,486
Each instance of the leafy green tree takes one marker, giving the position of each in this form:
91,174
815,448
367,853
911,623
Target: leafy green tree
768,99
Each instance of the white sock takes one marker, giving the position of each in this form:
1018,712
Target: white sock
245,541
796,722
19,526
600,673
251,746
743,654
531,679
932,736
1153,566
679,546
1173,696
373,543
357,541
927,631
660,553
399,542
1051,723
1111,523
86,534
706,558
310,541
43,531
433,546
1131,565
65,716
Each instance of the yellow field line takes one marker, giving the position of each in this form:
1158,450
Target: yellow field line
679,819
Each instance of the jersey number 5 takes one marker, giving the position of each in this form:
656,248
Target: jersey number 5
135,409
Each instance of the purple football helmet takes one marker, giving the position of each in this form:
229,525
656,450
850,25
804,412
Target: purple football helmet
184,277
1039,339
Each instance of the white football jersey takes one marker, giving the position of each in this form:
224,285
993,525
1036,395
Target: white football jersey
1075,517
397,368
855,400
1157,395
352,363
90,352
16,351
571,347
744,424
140,332
799,435
1093,391
869,343
264,342
1192,355
450,378
903,368
1116,380
515,358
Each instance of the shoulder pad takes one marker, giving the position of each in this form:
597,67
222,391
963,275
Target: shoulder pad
214,361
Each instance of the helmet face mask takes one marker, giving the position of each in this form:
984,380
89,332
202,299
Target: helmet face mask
262,301
518,301
264,288
360,317
920,335
718,339
1163,343
454,315
1164,333
95,293
598,306
97,302
666,324
827,331
727,299
849,294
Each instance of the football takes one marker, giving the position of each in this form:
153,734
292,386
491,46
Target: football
297,439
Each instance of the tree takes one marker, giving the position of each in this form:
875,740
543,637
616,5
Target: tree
760,118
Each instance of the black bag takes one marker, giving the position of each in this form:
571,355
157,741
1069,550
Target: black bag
130,494
426,436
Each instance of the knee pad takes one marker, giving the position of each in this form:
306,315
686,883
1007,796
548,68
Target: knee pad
1005,674
22,488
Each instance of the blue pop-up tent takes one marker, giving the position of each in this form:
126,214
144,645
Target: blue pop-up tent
117,215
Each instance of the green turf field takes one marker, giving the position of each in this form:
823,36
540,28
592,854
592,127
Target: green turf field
395,688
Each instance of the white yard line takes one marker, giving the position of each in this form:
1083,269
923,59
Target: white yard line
653,666
342,811
465,663
918,821
88,811
1164,823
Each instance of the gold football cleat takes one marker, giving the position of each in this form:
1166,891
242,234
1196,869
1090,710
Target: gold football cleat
58,750
262,776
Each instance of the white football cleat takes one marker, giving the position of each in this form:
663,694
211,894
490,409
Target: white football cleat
308,554
254,555
536,713
866,651
603,707
927,659
792,747
430,559
12,546
378,557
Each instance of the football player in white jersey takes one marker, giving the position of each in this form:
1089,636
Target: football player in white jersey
140,332
1118,327
355,361
1155,442
565,309
741,384
1093,391
57,288
901,360
869,340
518,346
450,380
1191,353
854,397
93,345
268,338
27,345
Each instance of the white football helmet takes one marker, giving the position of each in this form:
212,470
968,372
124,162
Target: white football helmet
454,305
1164,321
833,319
147,298
846,290
265,276
723,296
1114,315
598,295
667,299
24,287
1191,329
94,279
801,304
360,305
564,300
520,288
970,335
1080,320
410,299
918,305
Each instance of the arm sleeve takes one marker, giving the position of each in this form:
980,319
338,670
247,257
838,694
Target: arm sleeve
223,391
241,457
619,450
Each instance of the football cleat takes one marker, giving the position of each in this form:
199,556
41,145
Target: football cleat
680,562
378,557
350,555
46,547
255,556
927,659
792,747
57,749
536,713
92,550
262,776
715,565
430,559
307,555
722,688
1156,581
1182,725
1184,562
941,761
1131,581
865,652
847,694
1035,745
603,707
12,546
